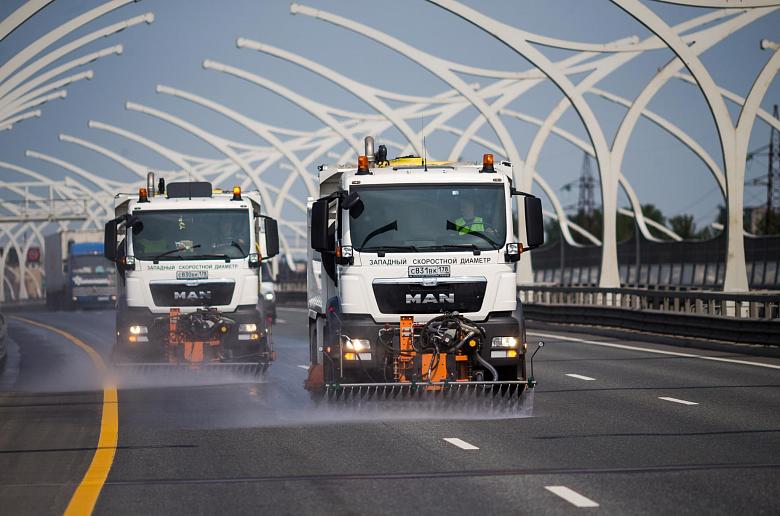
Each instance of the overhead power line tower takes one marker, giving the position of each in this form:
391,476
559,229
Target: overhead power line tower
586,202
773,176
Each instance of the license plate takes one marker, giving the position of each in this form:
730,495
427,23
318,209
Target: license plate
429,271
192,275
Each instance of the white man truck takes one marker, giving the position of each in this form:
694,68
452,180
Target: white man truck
188,258
411,284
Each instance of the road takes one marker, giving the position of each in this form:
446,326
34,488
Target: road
613,430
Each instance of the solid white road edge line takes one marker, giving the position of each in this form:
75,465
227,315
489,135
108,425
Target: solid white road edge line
676,400
292,309
581,377
573,497
648,350
460,443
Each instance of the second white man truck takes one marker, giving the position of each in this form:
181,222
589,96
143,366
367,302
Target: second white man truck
412,277
189,257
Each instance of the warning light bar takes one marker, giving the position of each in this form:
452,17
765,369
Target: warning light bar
236,193
143,195
363,165
487,163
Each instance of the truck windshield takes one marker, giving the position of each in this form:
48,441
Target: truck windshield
91,264
423,218
191,234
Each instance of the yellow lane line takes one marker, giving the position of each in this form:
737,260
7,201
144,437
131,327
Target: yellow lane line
86,494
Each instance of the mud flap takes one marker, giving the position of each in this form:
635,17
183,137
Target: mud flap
316,379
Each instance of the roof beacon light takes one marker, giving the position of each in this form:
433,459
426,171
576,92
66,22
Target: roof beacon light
363,166
143,195
236,193
487,163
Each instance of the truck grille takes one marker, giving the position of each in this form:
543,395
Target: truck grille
430,296
198,294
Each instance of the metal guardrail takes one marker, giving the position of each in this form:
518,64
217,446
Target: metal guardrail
747,318
754,305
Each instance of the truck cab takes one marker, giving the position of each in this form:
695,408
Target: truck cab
188,248
406,238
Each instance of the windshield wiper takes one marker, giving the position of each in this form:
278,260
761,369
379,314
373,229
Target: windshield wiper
444,247
386,248
177,250
222,256
393,226
238,246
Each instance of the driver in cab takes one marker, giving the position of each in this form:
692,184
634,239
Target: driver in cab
225,237
150,240
469,222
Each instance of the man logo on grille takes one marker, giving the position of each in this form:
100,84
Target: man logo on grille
192,295
430,298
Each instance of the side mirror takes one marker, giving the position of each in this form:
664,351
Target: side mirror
350,201
109,240
353,204
135,224
271,238
534,222
321,240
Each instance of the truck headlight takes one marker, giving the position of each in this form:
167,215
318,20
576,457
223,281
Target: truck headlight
137,329
505,342
269,296
247,328
358,345
138,333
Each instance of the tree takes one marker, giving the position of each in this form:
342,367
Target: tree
552,231
684,226
774,223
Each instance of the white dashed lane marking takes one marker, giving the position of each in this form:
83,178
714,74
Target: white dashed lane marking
281,321
573,497
304,367
460,443
676,400
580,377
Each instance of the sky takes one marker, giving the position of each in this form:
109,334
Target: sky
170,52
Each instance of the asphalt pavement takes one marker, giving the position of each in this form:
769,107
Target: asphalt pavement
614,427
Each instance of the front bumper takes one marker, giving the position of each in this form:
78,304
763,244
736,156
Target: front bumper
502,324
94,299
148,346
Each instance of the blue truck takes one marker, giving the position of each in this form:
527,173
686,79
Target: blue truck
77,273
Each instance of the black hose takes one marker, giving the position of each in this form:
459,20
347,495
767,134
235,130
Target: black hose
487,366
460,344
